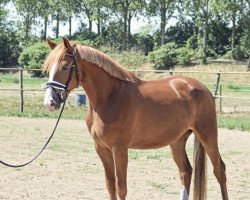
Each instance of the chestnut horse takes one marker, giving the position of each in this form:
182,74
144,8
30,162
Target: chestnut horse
127,112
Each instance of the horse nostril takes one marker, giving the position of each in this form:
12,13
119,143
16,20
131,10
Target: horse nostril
52,103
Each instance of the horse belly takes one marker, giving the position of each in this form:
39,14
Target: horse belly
159,131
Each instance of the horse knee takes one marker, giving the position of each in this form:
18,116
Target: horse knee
111,186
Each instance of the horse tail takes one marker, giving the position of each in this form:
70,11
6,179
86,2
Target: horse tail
199,171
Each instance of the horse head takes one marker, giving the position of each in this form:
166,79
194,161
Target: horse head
64,76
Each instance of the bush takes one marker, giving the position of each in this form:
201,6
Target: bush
185,55
165,57
33,57
238,53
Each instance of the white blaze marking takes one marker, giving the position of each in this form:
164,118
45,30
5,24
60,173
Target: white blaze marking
49,92
52,72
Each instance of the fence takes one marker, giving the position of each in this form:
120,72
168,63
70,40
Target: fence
232,94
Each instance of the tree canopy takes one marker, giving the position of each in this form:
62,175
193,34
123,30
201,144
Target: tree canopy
210,28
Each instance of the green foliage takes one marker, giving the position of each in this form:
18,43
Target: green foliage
241,122
219,36
143,42
245,38
238,53
185,55
33,57
169,55
180,32
165,57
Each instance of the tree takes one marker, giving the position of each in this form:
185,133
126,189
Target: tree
245,38
124,11
58,11
70,6
180,32
44,11
33,57
219,36
8,37
200,13
233,10
164,9
27,9
87,8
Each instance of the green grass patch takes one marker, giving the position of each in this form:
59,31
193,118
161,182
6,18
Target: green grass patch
240,122
33,108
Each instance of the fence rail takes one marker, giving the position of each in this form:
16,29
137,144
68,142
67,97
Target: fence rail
217,84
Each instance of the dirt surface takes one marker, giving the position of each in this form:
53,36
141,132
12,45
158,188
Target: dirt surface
70,169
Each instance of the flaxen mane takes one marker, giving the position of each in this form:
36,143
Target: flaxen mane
101,60
93,56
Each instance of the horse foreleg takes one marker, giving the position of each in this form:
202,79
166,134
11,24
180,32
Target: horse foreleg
106,157
120,154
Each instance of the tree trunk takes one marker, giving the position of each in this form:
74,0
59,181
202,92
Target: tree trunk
205,35
125,30
163,11
90,25
27,26
70,27
45,28
57,23
233,31
248,65
129,30
98,20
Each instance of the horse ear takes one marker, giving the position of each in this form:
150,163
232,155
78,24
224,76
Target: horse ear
66,43
51,44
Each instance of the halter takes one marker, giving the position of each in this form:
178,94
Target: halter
63,94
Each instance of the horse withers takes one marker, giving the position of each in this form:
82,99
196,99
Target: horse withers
127,112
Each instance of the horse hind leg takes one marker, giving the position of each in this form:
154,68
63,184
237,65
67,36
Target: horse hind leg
206,133
185,169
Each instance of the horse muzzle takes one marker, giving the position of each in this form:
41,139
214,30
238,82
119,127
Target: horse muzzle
52,101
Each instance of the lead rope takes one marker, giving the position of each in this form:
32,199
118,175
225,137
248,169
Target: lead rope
46,144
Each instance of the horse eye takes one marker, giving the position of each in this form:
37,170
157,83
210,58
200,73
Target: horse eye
65,67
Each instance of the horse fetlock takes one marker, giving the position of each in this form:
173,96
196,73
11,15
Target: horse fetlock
122,192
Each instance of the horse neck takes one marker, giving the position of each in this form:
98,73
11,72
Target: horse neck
98,85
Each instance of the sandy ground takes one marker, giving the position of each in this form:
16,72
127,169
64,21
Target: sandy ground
70,169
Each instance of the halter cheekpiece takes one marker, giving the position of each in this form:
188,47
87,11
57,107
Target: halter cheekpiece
61,89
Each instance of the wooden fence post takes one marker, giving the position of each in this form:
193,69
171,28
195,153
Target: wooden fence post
220,99
217,85
21,88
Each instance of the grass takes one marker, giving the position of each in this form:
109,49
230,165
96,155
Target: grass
33,108
240,122
235,85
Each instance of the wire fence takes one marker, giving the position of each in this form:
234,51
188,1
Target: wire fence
231,89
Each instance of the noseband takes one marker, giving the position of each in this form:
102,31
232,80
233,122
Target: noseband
61,89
